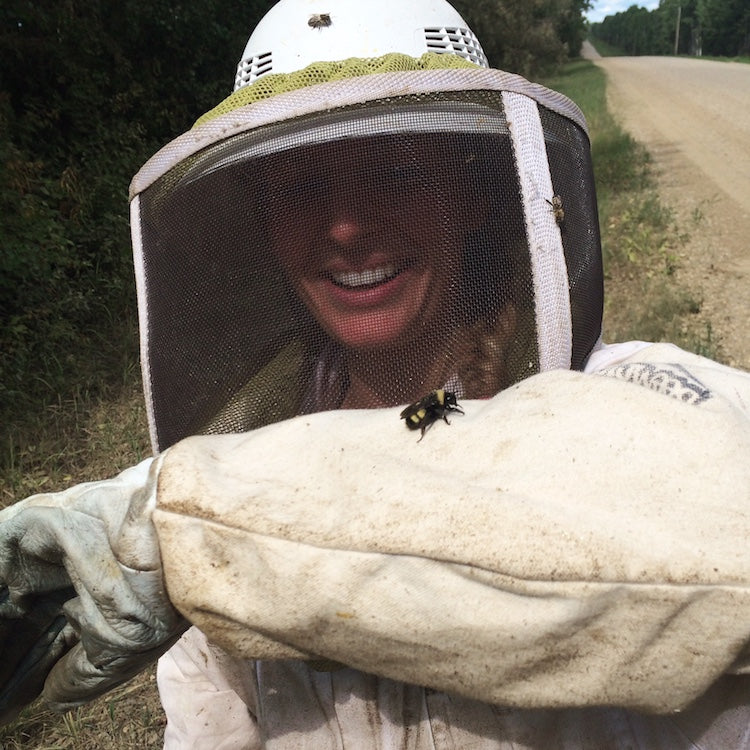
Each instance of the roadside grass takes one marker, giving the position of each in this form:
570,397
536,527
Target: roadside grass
128,718
87,438
77,440
83,439
738,59
95,429
605,49
610,50
640,237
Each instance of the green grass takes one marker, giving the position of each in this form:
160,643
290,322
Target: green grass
739,59
605,49
610,50
127,718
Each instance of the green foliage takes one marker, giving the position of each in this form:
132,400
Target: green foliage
527,36
692,27
725,27
635,31
88,91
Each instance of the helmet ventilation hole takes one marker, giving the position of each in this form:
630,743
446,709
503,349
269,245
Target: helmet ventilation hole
251,68
461,42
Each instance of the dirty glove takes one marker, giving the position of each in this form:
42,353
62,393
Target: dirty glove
83,606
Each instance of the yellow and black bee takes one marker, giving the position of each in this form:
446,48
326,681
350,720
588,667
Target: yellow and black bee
422,414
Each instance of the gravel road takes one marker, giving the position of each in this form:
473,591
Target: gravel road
693,116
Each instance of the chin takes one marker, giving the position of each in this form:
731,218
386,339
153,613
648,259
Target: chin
372,334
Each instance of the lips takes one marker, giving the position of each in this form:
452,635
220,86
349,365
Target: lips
355,290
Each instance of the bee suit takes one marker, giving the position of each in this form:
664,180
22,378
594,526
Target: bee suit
564,565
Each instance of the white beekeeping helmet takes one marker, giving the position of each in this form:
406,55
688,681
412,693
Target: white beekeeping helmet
480,264
296,33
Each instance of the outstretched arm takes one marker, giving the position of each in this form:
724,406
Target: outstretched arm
578,539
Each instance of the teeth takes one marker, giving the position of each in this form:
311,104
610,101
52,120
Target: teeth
364,278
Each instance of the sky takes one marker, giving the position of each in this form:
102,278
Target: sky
602,8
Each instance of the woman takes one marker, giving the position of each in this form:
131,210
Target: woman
542,572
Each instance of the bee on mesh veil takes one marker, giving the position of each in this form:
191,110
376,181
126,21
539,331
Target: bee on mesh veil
256,304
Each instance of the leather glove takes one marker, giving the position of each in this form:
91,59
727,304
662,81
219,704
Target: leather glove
83,606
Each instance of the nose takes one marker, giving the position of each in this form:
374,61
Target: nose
345,229
354,212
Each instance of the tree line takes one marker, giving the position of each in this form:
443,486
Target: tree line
89,90
718,28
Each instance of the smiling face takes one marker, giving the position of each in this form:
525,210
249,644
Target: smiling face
371,237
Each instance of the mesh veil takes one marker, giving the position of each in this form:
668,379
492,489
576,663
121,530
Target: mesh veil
478,280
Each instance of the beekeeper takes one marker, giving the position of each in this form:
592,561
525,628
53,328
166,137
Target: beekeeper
372,215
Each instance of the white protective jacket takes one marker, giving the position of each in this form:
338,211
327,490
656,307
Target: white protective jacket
565,566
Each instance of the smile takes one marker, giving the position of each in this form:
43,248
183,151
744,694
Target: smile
367,278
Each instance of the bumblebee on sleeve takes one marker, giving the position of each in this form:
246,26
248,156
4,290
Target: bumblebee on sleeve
422,414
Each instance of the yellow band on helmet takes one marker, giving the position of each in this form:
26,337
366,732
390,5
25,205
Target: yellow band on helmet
321,72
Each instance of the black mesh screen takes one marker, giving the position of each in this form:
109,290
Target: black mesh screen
573,182
358,271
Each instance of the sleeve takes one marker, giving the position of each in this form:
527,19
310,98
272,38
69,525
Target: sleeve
580,539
